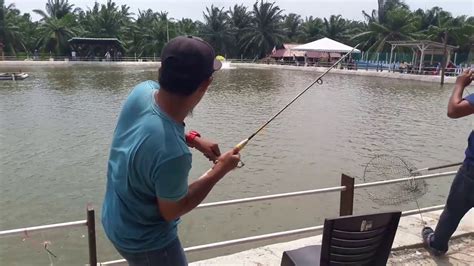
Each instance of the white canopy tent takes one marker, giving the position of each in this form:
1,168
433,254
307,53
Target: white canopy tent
326,45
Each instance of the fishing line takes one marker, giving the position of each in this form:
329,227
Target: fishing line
318,80
414,174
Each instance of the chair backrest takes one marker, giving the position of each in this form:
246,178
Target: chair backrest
359,239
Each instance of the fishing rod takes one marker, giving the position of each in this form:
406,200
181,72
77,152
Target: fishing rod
436,167
319,80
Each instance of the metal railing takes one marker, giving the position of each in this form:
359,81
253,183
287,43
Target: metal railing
356,65
268,197
89,223
272,235
346,208
42,228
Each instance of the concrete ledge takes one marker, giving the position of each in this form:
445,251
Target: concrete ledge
72,63
360,72
408,236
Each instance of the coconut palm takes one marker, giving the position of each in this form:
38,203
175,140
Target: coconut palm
187,26
29,31
400,24
311,30
11,34
3,9
217,29
335,27
292,25
384,6
54,33
106,20
428,17
240,18
155,37
265,31
450,30
57,9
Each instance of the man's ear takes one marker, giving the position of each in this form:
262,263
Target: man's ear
205,84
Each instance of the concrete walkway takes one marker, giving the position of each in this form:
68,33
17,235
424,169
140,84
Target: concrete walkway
406,247
360,72
461,252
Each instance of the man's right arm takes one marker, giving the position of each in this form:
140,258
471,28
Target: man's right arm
457,105
199,189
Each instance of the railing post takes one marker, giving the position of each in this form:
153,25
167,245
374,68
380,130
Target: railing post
347,196
91,236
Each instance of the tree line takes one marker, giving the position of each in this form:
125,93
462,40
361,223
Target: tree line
236,31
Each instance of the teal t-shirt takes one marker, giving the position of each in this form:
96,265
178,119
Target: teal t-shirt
149,159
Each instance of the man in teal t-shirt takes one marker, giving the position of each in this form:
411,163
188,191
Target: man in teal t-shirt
147,178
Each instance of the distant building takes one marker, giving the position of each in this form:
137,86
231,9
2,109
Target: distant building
287,55
96,48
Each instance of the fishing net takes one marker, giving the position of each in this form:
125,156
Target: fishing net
388,167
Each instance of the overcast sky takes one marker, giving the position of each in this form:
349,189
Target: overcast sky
351,9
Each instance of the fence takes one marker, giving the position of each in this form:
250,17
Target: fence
346,206
366,63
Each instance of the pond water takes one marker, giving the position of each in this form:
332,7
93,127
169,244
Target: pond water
56,128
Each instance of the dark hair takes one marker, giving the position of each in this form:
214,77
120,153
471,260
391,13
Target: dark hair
177,83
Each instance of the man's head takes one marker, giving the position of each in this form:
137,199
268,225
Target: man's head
187,64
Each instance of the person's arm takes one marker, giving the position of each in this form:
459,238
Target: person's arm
457,105
171,209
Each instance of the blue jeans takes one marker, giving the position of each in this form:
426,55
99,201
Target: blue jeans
171,255
460,201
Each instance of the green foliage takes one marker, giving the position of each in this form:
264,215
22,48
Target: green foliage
264,31
251,32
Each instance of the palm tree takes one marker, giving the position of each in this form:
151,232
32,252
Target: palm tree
2,21
134,41
57,9
10,33
428,17
146,17
240,18
187,26
292,23
54,33
29,32
392,4
311,30
470,44
155,37
106,20
335,28
217,30
57,25
384,6
449,30
400,24
265,31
